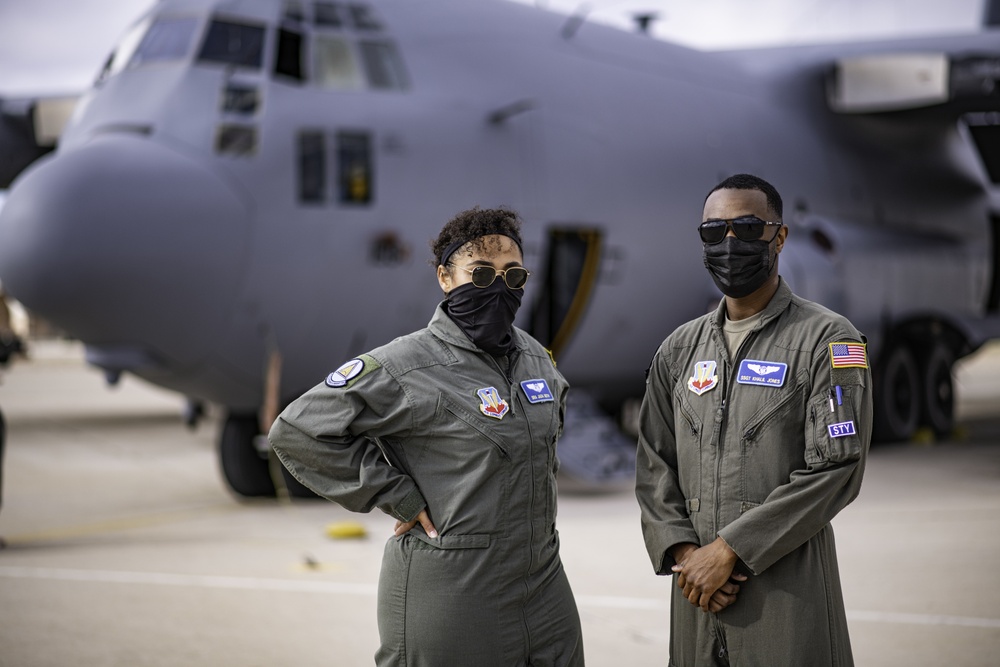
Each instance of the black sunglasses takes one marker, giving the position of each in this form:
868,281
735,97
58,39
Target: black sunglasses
483,276
746,228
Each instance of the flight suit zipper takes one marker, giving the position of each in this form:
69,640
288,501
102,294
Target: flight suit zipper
516,398
730,376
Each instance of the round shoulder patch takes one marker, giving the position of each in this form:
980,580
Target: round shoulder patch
345,373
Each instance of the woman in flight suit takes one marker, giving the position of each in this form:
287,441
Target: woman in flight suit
452,430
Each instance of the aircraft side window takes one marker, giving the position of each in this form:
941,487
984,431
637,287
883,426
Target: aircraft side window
383,65
334,63
363,17
240,99
233,43
328,14
288,61
354,167
166,39
312,167
126,47
236,140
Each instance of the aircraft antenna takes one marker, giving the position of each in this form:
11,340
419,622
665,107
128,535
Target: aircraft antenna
575,21
644,21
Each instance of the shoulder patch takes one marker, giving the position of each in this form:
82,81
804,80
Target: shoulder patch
352,371
848,354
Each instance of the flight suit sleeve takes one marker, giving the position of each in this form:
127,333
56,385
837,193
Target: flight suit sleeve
836,447
665,521
326,439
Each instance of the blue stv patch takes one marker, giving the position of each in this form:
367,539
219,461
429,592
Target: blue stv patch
537,391
762,373
842,430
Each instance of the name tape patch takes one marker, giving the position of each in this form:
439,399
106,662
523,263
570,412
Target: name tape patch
762,373
537,391
842,429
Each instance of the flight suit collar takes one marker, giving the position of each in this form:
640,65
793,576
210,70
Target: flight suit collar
775,307
445,328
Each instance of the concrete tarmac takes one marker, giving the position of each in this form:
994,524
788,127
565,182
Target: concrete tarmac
125,548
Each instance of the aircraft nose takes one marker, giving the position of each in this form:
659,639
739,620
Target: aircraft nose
110,241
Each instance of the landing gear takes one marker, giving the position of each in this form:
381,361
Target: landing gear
245,461
896,395
913,385
937,393
245,467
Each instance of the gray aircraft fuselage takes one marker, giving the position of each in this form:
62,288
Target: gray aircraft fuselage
209,206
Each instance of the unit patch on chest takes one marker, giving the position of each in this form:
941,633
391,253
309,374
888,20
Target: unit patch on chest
491,404
537,391
704,377
762,373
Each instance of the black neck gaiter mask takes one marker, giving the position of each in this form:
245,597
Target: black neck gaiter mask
739,267
486,314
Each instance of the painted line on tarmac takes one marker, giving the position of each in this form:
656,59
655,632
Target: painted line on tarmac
304,586
922,619
189,580
119,525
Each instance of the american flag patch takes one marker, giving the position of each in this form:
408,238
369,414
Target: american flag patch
848,355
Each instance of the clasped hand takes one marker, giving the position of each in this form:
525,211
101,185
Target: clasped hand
706,574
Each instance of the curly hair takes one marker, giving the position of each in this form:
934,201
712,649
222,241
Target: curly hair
471,226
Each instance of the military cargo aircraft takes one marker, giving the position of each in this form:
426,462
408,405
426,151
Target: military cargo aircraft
244,198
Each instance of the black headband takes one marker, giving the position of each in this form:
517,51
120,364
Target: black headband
455,245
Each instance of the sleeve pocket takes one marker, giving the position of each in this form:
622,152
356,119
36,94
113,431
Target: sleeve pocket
834,432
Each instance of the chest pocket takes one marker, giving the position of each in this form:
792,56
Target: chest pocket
689,426
772,439
476,425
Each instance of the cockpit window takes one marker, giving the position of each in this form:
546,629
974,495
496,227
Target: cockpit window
383,65
233,43
335,66
167,39
294,11
328,14
363,17
116,61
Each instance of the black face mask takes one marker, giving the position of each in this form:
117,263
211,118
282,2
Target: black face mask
739,267
486,314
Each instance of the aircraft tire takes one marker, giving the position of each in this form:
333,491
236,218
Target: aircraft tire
937,391
897,395
245,470
295,488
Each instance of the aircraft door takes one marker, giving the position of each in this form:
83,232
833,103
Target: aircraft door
571,264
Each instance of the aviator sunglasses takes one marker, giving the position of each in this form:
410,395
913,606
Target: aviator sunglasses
483,276
745,227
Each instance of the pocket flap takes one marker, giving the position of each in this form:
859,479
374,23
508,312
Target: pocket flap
453,541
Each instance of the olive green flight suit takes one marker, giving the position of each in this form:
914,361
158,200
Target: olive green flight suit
430,420
725,449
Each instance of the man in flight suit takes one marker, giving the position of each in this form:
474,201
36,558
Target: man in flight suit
753,434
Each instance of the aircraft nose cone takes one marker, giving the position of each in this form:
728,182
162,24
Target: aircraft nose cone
125,241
